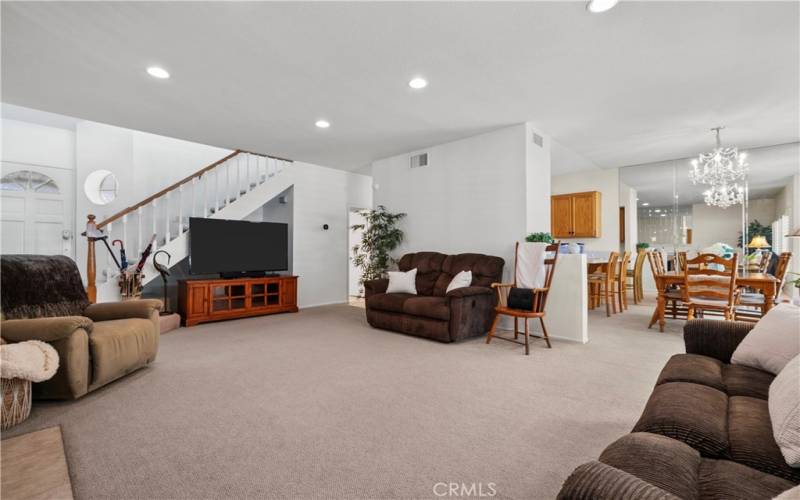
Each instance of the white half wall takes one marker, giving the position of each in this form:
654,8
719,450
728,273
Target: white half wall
480,194
607,182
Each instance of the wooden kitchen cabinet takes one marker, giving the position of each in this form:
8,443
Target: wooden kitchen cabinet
575,215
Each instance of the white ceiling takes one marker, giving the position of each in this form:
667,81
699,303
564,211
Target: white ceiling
770,170
640,83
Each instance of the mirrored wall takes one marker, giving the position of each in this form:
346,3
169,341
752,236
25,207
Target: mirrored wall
673,215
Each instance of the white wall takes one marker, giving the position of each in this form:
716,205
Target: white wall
713,224
607,182
34,144
480,194
324,196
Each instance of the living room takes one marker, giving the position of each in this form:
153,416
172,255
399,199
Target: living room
540,192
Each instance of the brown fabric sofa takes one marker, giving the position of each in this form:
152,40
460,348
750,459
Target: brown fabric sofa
462,313
705,431
43,299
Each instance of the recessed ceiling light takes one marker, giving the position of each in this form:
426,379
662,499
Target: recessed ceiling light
597,6
645,204
323,124
418,83
157,72
657,210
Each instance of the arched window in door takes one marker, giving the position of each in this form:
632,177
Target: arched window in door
28,180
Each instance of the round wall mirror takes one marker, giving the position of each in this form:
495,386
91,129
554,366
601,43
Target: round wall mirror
101,187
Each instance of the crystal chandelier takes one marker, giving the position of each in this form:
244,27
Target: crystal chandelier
724,195
722,169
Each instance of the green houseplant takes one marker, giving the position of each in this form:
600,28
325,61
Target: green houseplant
642,246
755,228
539,237
380,236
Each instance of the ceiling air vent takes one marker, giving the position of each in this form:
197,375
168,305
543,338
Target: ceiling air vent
538,139
420,160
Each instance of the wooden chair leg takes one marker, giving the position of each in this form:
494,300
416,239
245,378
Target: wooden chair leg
620,295
527,339
492,329
690,313
516,327
608,302
653,318
544,333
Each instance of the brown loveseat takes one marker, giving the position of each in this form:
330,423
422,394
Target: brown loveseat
43,299
704,433
462,313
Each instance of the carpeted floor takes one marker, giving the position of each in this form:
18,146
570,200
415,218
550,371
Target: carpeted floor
319,405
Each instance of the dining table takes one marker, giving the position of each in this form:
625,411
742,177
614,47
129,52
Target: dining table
766,283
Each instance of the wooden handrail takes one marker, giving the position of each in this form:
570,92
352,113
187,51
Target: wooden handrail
178,184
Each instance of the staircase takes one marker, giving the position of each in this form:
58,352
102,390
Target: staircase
230,188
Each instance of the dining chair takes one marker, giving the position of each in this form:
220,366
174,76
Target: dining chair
620,281
672,296
753,305
635,275
710,285
601,285
538,300
766,257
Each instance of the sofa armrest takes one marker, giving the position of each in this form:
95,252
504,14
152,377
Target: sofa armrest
142,308
470,291
598,481
44,329
373,287
716,339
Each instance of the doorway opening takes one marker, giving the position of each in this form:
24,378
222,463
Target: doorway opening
355,290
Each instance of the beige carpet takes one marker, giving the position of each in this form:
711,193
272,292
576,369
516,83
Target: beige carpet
317,404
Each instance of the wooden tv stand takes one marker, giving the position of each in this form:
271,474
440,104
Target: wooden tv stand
202,300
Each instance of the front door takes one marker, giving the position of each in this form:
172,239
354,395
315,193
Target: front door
36,210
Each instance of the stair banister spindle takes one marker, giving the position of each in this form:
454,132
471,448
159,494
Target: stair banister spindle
227,183
216,189
166,218
250,183
124,231
204,180
238,176
139,217
155,223
194,197
180,210
109,267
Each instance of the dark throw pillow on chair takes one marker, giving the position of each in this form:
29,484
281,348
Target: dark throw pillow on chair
520,298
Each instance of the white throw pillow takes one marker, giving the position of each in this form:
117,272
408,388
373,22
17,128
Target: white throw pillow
772,342
784,411
400,282
792,494
460,280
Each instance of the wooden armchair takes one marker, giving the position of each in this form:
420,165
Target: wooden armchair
538,301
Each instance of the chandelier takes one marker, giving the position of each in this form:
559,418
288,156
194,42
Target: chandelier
724,195
722,169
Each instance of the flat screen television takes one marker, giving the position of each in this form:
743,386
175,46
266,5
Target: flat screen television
237,248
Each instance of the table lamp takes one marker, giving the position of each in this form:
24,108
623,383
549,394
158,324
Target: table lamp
758,242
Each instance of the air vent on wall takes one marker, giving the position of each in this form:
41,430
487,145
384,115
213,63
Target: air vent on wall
538,139
420,160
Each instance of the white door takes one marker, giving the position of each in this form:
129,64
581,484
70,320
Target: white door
36,210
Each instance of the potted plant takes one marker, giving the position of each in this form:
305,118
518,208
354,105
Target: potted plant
380,236
539,237
642,246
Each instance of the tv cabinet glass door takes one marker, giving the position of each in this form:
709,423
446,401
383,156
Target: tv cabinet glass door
228,297
266,293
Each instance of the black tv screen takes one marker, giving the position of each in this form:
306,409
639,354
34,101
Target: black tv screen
231,247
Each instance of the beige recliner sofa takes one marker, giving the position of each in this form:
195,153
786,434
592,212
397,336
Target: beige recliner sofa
43,299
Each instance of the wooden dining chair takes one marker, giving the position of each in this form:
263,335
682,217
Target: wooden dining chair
753,305
710,284
538,302
766,258
601,285
635,275
620,281
673,296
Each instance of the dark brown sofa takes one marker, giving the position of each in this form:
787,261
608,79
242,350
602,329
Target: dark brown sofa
704,433
462,313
